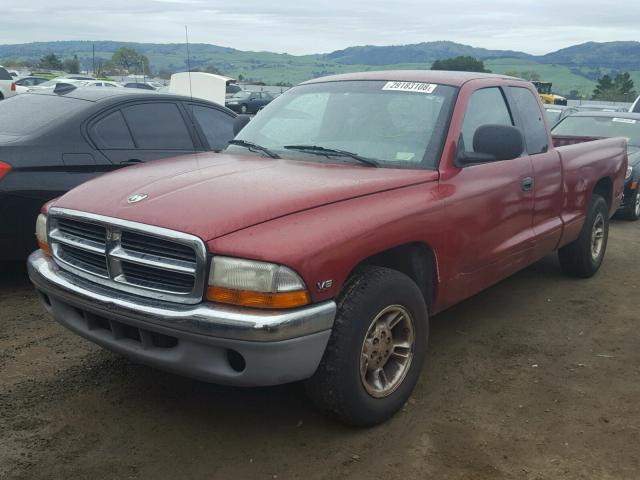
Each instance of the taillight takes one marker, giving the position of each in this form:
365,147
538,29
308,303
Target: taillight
13,87
4,169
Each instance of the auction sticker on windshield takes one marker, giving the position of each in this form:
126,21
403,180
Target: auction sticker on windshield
410,87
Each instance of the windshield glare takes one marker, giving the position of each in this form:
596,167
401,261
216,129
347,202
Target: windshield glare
600,127
398,129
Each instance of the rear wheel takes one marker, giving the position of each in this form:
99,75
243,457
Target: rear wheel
376,350
583,257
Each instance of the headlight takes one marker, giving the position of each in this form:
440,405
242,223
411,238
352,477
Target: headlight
629,172
255,284
41,234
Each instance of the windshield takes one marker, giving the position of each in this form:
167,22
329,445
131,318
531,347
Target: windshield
397,124
600,127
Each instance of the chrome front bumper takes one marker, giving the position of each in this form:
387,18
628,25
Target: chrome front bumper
276,346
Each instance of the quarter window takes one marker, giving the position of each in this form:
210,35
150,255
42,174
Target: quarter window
486,106
535,132
217,126
112,132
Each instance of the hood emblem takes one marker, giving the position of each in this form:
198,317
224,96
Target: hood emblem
137,197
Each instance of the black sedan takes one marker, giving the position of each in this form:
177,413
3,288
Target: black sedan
52,142
612,124
247,101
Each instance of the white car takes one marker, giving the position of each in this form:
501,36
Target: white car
7,84
25,83
101,83
51,84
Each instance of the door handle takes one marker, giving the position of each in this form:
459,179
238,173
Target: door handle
526,184
131,161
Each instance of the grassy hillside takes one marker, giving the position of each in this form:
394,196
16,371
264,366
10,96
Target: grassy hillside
563,79
573,68
417,53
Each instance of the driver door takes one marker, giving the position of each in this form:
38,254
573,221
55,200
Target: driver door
489,208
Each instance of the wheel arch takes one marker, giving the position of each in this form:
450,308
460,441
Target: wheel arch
604,188
417,260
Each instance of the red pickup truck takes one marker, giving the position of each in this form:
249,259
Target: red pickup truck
318,245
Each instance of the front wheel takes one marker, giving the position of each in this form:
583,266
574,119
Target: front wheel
376,350
583,257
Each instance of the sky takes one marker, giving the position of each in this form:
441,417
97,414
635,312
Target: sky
301,27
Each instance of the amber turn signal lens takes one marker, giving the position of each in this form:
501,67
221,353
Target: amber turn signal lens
245,298
634,185
44,247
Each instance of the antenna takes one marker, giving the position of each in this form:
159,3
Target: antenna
186,34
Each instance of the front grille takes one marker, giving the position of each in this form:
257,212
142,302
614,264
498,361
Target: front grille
146,245
137,258
157,278
89,261
87,231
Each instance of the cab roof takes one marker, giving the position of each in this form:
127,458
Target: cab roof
455,79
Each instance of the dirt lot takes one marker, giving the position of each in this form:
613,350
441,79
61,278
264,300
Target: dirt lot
536,378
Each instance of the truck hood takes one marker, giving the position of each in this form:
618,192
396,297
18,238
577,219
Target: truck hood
210,195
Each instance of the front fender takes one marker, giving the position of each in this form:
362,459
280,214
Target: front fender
328,242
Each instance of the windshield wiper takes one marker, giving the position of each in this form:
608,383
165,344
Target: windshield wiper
332,152
253,147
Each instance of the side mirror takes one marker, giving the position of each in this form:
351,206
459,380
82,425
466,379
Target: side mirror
239,123
493,143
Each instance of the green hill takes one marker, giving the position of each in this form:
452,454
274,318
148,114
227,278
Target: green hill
417,53
573,68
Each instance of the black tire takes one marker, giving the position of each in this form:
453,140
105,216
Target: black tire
244,109
578,258
633,212
337,387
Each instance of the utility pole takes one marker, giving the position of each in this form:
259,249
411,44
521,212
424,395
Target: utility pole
93,49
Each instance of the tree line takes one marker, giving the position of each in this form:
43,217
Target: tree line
123,61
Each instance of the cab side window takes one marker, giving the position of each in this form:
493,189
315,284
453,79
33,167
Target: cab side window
486,106
535,132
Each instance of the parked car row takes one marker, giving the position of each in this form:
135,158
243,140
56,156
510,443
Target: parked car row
13,86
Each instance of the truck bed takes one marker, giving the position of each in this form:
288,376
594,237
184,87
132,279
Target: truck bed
585,158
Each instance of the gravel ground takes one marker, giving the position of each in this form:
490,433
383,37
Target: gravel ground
535,378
